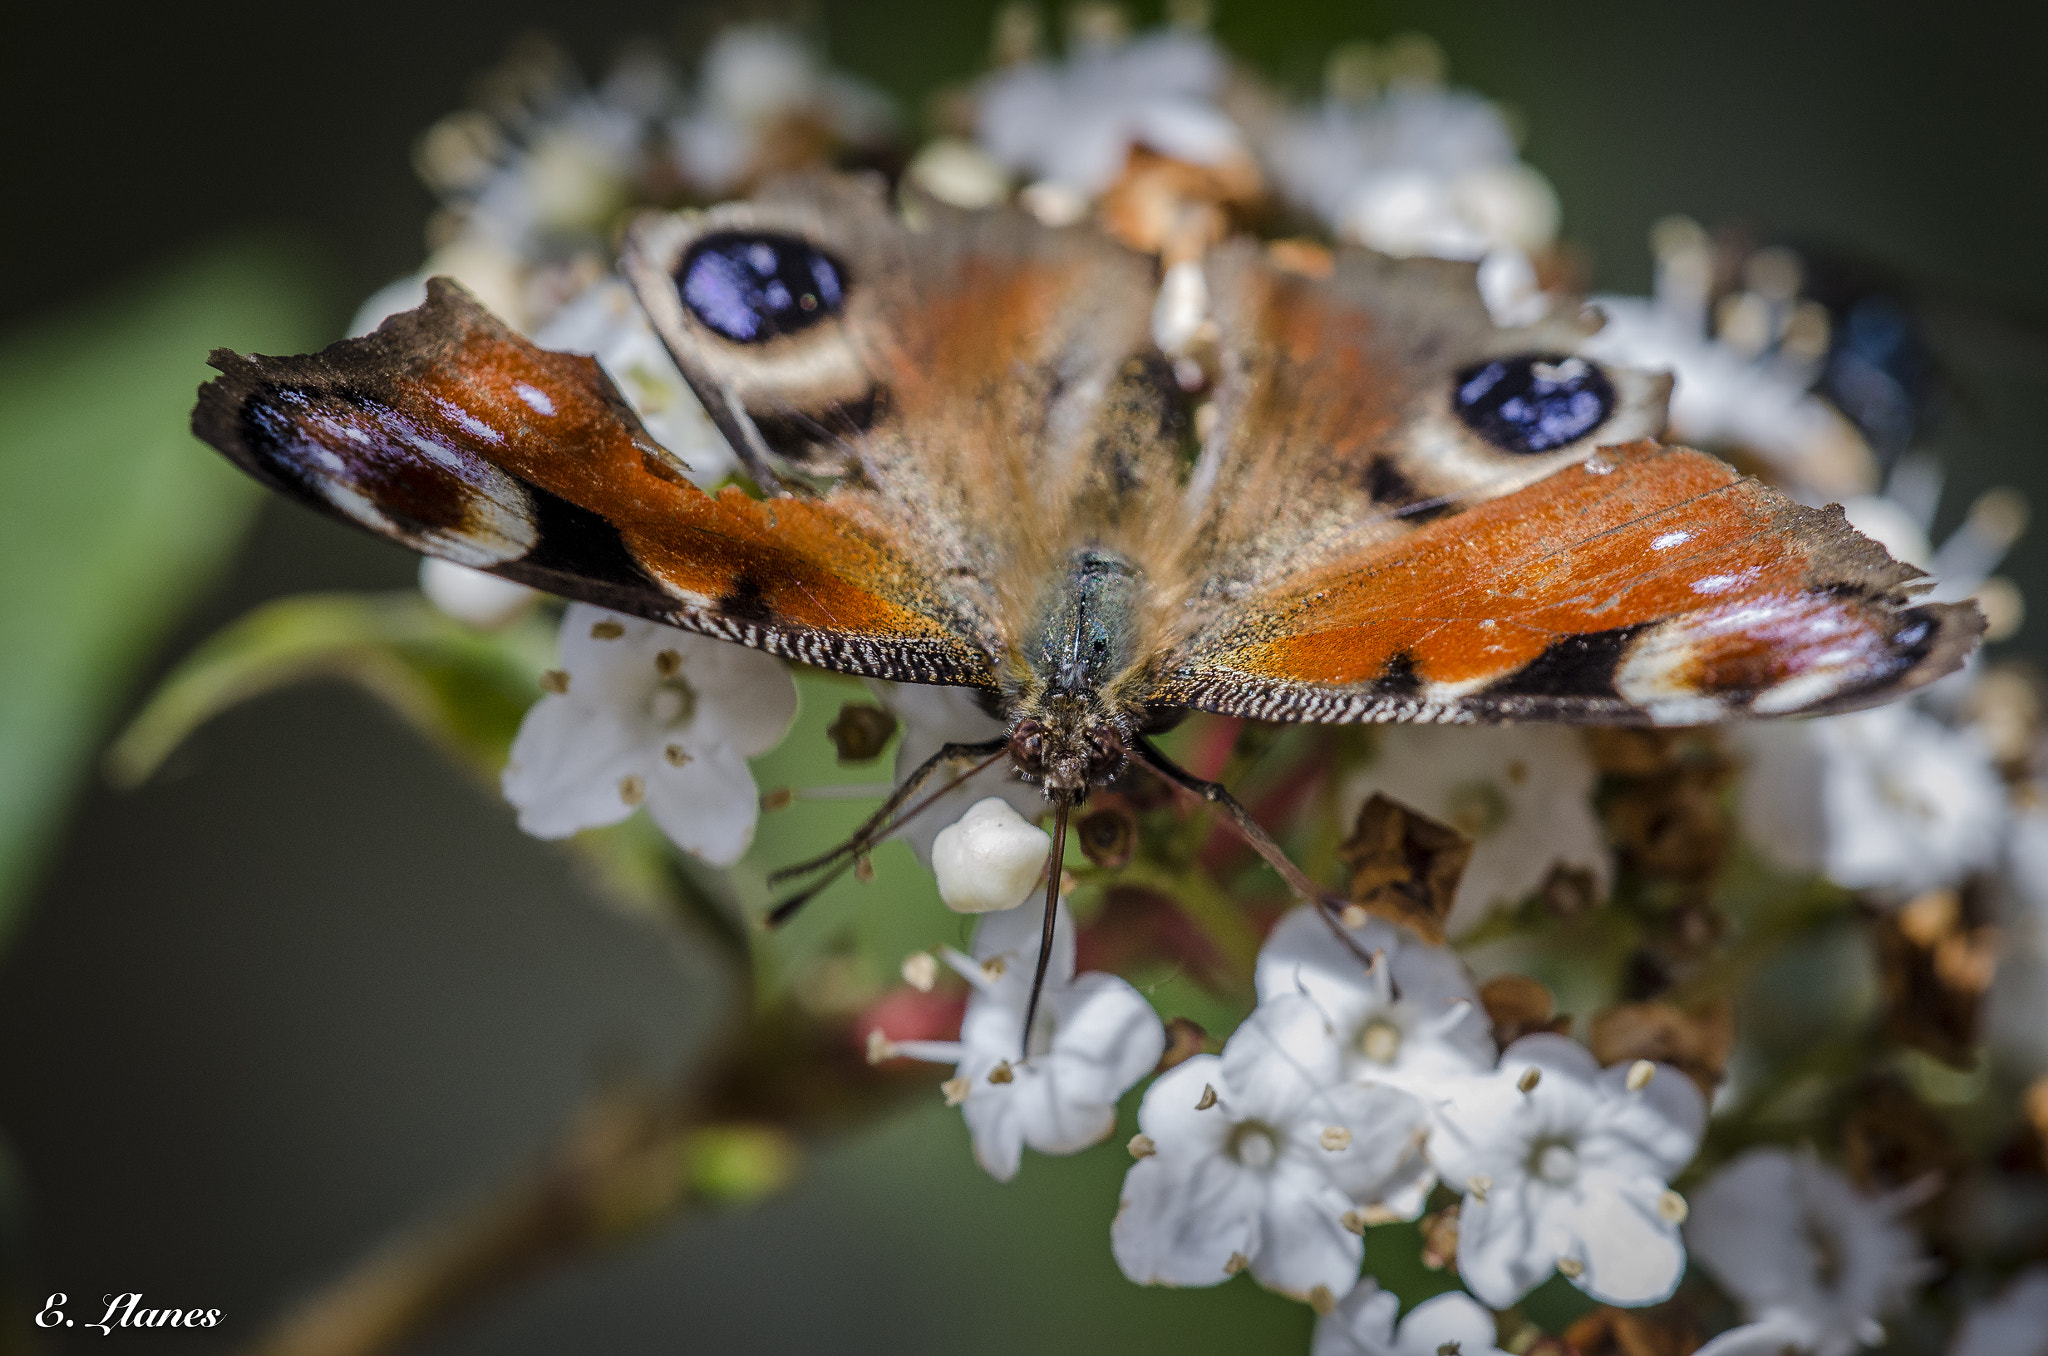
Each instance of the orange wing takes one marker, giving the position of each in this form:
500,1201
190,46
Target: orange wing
1645,584
450,433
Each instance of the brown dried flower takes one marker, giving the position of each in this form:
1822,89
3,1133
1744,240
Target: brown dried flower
1405,866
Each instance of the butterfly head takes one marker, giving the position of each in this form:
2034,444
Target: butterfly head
1067,747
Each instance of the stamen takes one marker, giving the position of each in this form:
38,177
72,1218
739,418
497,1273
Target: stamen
955,1089
880,1048
606,630
1353,1220
1141,1146
1478,1184
921,971
1531,1076
1322,1301
1238,1262
1002,1073
1672,1208
1208,1097
1639,1075
677,756
1571,1268
668,663
555,681
632,790
1335,1138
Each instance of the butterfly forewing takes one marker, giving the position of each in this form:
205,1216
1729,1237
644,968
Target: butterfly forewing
1645,583
450,433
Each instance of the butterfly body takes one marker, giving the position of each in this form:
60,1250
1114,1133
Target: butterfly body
973,467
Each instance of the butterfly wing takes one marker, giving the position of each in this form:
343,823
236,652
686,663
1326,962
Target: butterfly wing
448,432
924,406
984,395
1465,540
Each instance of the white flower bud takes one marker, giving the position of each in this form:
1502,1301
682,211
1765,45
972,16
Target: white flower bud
473,597
989,860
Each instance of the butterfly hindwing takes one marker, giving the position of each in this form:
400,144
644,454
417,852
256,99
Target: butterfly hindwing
450,433
1646,583
1338,413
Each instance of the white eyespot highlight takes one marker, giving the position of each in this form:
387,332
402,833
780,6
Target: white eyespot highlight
1666,540
534,397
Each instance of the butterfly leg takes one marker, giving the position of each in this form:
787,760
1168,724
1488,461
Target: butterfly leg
878,825
1253,833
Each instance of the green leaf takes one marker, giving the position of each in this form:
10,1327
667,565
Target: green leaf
112,518
464,689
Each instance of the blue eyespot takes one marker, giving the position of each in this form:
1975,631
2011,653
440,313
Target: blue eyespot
753,286
1533,403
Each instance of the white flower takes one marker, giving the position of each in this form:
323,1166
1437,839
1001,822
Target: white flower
1363,1325
1888,799
640,713
1564,1165
1413,1019
1094,1038
1522,793
2014,1324
756,83
606,321
1422,170
932,718
1811,1261
1074,123
989,860
1725,398
473,597
1754,394
1263,1157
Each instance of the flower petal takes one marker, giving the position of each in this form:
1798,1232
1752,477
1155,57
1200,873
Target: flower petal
1301,1243
1361,1325
566,767
1105,1038
1014,935
1168,1115
1632,1255
708,806
1383,1154
1450,1320
1180,1223
1505,1248
1279,1058
745,698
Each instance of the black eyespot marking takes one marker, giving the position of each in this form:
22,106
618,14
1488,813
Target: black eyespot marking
753,286
1533,403
746,600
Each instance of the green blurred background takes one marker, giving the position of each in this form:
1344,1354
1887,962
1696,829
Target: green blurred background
310,982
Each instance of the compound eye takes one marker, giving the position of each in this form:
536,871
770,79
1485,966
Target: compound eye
1027,747
1105,757
1534,403
753,286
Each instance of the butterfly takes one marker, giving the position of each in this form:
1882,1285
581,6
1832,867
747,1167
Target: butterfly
974,467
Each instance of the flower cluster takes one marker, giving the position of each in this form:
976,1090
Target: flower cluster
1405,1062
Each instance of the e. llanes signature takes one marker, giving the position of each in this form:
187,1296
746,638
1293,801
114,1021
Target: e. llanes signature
125,1311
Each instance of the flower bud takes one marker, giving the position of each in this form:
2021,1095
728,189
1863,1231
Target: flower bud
473,597
989,860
